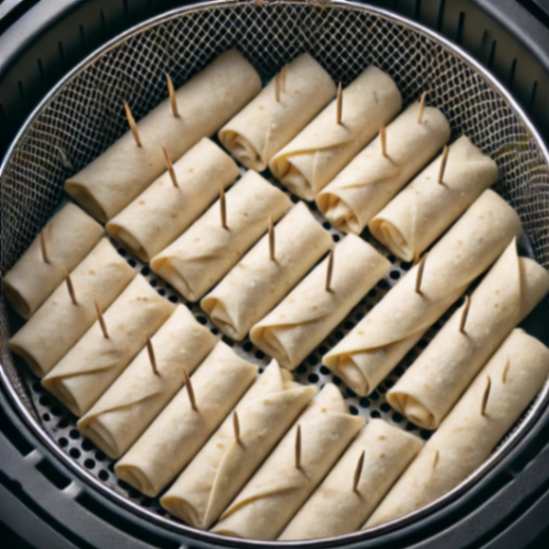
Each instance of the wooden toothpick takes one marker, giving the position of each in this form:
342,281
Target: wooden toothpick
173,97
339,104
132,124
70,288
419,274
152,358
383,141
190,390
358,472
329,271
298,448
236,428
435,459
442,168
169,165
272,242
485,396
101,320
505,371
421,107
223,208
43,248
464,314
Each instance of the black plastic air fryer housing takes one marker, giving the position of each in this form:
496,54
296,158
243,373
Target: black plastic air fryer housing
45,504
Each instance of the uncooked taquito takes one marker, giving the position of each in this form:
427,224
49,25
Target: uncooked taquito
207,250
127,407
293,470
59,323
217,473
204,104
257,282
95,361
274,117
417,216
179,431
354,487
319,152
434,382
68,237
310,311
166,208
488,409
373,177
365,356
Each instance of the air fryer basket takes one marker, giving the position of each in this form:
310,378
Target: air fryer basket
83,115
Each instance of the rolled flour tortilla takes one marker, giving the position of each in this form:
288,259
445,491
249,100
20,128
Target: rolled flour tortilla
434,382
309,312
58,323
380,340
257,283
418,215
265,125
163,211
218,472
206,251
69,236
319,152
127,407
370,180
335,508
278,489
178,432
466,438
94,362
205,103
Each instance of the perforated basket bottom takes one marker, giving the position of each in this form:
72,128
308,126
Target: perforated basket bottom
84,116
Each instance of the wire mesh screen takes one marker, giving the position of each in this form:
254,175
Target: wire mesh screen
85,116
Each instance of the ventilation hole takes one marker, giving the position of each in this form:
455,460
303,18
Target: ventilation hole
374,395
313,378
391,258
202,319
53,475
56,411
353,410
259,355
300,370
145,271
397,417
395,275
228,341
153,282
248,346
103,475
324,371
326,225
89,463
336,237
87,445
173,298
375,413
385,407
294,199
336,380
74,453
312,360
424,434
349,393
74,434
406,265
383,285
63,423
122,252
364,402
63,442
100,456
46,417
162,292
132,263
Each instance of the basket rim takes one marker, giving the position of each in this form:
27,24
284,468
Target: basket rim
198,535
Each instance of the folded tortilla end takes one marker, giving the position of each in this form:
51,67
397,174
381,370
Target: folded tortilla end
218,314
412,409
91,428
28,357
56,386
349,372
129,240
82,196
134,476
17,300
179,507
338,212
